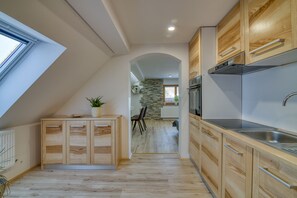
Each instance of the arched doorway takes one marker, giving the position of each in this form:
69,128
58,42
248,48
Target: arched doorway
154,105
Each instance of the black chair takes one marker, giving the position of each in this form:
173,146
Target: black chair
137,119
144,113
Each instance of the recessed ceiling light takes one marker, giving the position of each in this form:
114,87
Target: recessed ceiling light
170,76
171,28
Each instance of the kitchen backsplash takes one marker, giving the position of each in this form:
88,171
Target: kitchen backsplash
263,93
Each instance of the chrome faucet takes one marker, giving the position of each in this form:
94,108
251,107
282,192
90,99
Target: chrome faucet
288,96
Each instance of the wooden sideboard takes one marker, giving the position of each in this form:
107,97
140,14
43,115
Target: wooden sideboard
81,141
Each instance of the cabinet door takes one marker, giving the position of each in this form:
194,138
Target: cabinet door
102,150
273,177
230,33
270,27
78,142
53,142
194,56
211,155
194,145
237,169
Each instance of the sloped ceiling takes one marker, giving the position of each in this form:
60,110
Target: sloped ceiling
81,59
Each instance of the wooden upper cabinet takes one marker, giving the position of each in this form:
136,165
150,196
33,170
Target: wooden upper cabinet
194,56
230,33
271,28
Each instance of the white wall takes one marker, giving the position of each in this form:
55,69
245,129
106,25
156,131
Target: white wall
83,57
221,94
169,112
170,81
112,81
263,93
135,104
27,139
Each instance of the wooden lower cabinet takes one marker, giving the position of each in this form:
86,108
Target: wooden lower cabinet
194,143
211,158
273,177
237,169
101,142
81,141
53,144
78,142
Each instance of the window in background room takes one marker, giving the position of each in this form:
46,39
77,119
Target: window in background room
170,91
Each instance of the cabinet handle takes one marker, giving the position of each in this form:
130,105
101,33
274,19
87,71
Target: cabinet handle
267,45
53,126
286,184
232,149
77,126
101,125
227,51
208,133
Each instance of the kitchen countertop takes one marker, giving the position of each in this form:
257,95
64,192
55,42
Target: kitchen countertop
254,143
238,124
83,117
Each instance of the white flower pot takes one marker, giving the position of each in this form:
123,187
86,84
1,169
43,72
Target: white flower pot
96,112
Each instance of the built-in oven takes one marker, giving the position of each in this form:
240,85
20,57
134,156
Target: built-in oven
195,96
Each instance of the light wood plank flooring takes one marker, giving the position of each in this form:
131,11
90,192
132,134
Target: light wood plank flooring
160,137
144,176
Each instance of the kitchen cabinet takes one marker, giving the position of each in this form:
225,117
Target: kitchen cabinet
53,144
237,169
101,142
195,137
273,177
230,33
271,28
78,142
211,158
194,56
81,141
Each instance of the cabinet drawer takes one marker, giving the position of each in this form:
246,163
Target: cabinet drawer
211,155
237,169
101,142
78,142
53,142
273,177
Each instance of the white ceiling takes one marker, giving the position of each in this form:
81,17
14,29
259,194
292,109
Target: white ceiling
155,66
146,21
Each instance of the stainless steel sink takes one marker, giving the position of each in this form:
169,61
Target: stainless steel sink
272,137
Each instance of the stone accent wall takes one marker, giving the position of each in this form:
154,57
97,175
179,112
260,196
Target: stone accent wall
152,97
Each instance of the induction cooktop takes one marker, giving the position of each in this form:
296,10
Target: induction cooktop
237,124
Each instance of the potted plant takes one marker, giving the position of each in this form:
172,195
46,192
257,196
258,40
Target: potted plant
4,185
176,100
96,104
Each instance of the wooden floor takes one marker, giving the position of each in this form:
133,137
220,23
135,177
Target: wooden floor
145,176
160,137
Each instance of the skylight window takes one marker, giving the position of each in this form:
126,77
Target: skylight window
7,48
13,45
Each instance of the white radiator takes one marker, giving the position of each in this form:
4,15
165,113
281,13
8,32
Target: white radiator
7,149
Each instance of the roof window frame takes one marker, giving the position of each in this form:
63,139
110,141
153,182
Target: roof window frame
27,43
